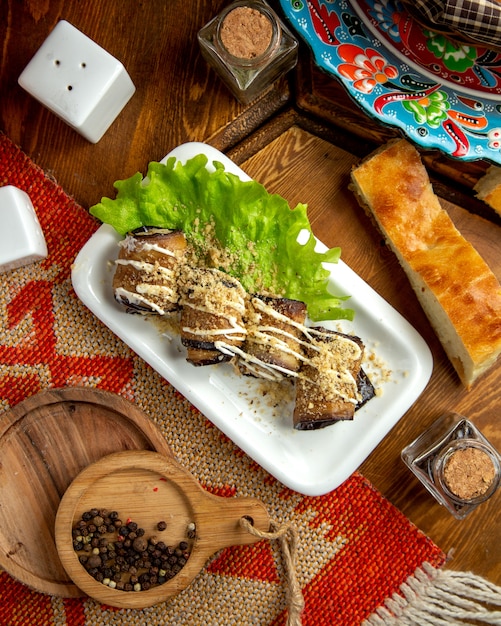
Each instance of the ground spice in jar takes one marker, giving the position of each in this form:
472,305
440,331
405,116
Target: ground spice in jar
468,473
246,32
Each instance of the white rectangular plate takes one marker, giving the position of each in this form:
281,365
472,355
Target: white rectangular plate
310,462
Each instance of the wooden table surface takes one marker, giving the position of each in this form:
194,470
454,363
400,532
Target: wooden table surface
300,140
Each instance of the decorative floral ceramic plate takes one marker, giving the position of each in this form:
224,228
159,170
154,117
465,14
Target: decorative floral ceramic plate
441,93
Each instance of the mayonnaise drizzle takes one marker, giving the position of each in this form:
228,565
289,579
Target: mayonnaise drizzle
148,268
131,243
131,297
311,349
161,291
311,341
226,301
265,370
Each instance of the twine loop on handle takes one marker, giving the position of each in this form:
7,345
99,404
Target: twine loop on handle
287,536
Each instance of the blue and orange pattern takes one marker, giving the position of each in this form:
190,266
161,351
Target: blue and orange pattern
440,93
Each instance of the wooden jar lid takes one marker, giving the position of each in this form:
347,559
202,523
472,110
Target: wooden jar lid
45,442
147,487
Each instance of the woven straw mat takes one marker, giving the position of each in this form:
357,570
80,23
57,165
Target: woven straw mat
355,548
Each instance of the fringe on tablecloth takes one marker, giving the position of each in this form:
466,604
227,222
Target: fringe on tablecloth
440,597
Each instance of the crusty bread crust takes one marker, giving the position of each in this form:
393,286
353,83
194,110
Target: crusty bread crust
488,188
456,288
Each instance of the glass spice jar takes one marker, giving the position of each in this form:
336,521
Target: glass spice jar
455,463
249,48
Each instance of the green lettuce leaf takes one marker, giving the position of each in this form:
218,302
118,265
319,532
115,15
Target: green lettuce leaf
234,225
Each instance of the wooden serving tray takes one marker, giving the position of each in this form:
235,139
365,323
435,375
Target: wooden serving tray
45,442
147,487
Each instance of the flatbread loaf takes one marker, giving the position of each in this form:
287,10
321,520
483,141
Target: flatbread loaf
456,288
488,188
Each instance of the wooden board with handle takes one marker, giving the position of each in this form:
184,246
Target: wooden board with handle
149,488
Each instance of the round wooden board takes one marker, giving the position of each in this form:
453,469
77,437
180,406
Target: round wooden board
147,487
45,442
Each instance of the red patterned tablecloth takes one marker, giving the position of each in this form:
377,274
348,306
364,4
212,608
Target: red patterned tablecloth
355,548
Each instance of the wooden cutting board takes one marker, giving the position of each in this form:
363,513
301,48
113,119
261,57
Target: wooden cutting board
45,442
147,488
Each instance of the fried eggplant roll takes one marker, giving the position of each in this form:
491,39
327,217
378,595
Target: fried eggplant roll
146,274
272,348
327,386
366,389
213,305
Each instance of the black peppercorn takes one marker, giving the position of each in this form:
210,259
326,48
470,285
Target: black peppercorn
94,560
140,544
121,556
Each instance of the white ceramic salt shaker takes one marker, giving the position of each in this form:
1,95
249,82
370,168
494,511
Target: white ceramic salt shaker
21,237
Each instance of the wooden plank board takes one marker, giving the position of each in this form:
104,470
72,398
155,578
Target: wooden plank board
303,167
